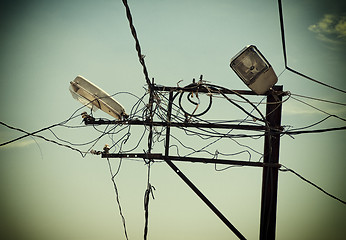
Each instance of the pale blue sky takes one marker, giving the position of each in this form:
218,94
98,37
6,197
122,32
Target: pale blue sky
49,192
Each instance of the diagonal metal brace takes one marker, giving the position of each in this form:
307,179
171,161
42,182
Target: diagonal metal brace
204,199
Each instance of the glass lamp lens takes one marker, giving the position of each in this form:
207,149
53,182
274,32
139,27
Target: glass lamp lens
249,65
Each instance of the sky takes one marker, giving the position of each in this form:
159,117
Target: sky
52,192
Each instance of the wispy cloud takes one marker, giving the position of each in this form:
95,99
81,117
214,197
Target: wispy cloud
331,29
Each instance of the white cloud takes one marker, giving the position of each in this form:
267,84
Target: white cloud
331,29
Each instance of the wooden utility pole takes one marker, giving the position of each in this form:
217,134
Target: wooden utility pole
270,173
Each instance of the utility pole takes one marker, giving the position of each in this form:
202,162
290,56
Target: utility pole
270,162
270,173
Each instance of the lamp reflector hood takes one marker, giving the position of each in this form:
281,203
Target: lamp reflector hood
95,98
253,69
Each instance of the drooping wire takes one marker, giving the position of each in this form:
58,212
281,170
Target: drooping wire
320,110
217,153
197,104
220,90
311,125
27,134
240,107
38,146
298,131
66,143
148,192
39,136
240,143
311,183
40,130
113,175
206,134
318,99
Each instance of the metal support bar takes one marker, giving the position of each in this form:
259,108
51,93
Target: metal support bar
211,90
177,124
192,89
159,156
168,124
270,175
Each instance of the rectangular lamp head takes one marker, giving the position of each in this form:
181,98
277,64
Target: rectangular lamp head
253,69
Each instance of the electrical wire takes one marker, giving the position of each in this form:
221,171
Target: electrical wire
201,133
316,131
138,46
311,125
40,130
233,154
282,32
197,104
113,175
311,183
318,99
314,80
320,110
148,192
39,136
285,54
27,133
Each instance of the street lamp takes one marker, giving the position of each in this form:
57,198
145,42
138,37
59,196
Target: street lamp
95,98
253,69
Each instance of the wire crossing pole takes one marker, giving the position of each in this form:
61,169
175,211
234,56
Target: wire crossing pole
270,174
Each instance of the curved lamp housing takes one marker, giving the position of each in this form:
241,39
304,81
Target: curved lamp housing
95,98
255,71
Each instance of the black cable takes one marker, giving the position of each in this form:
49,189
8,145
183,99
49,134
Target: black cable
117,195
193,114
219,89
311,183
211,134
136,146
138,46
242,145
225,168
315,131
282,32
314,80
27,133
311,125
240,107
39,136
285,56
43,129
332,115
148,192
319,99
